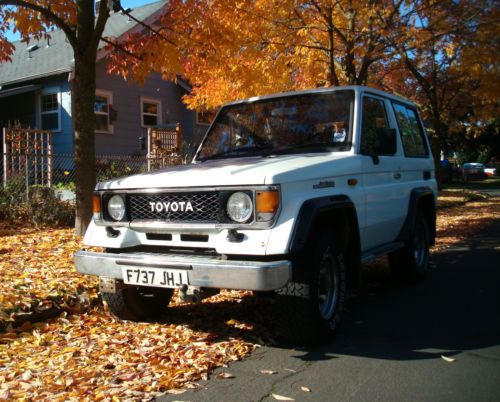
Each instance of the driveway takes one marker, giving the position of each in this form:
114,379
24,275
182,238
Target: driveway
390,343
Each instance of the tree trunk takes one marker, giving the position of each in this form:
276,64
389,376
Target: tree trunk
440,132
84,146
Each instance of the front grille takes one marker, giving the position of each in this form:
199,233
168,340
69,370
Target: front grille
175,207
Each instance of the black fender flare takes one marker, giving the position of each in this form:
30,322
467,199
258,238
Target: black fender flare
309,212
309,216
416,196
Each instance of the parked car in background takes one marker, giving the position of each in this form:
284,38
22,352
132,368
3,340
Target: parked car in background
490,171
473,170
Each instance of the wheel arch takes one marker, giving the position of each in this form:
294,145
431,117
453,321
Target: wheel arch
336,212
421,198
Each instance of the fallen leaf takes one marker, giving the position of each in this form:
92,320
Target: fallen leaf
26,376
305,389
268,372
448,359
176,391
224,376
281,397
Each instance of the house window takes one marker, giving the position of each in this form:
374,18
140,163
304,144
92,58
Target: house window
50,111
102,104
150,112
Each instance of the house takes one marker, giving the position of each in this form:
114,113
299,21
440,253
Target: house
35,91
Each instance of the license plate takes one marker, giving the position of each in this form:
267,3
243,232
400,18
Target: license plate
159,277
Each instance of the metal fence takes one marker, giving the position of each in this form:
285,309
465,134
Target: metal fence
58,171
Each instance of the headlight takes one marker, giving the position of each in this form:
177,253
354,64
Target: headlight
116,207
239,207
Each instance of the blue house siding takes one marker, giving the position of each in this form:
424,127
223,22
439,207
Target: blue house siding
126,100
25,109
62,139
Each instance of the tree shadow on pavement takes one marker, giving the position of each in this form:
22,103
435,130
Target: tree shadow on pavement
456,308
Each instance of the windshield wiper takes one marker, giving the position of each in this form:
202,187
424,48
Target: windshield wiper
300,148
235,153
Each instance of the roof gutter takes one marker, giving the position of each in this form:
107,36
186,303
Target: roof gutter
42,75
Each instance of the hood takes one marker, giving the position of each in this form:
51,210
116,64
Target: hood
233,172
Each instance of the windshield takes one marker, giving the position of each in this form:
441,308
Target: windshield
301,123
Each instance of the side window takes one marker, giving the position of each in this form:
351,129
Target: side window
150,112
50,110
374,120
412,134
102,105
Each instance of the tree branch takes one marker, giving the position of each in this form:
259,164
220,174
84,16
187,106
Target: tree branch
121,48
67,29
156,32
102,18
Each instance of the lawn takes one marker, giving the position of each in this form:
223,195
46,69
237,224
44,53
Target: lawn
85,353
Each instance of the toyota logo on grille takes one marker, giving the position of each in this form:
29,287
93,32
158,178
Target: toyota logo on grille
171,206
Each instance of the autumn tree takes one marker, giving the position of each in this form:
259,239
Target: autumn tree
240,48
34,19
445,63
439,53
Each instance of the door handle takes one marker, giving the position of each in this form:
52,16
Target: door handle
397,175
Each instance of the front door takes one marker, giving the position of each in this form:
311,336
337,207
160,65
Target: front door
384,192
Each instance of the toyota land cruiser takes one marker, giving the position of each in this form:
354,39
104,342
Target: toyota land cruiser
288,193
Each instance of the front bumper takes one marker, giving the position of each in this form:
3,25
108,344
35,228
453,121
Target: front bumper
203,271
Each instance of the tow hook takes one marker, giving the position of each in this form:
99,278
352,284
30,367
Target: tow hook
195,294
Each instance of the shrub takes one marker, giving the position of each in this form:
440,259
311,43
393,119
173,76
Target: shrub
40,207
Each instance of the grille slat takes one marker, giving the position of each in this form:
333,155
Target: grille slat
173,207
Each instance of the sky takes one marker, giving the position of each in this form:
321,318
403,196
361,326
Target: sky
125,4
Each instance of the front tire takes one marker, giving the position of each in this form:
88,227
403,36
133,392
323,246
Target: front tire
138,302
312,308
411,263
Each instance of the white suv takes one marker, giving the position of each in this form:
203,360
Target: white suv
287,193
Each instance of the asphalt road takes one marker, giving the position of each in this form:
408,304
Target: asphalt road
390,343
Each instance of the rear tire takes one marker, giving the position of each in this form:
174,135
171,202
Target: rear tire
311,310
138,302
411,263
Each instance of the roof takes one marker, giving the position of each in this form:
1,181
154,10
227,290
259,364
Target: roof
357,88
57,58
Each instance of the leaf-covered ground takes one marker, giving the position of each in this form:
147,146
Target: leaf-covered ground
87,354
37,273
461,213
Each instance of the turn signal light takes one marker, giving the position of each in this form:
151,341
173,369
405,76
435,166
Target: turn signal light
267,204
96,206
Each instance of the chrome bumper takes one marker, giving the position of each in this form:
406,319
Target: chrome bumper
204,271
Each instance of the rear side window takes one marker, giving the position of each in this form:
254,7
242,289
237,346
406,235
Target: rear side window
412,134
